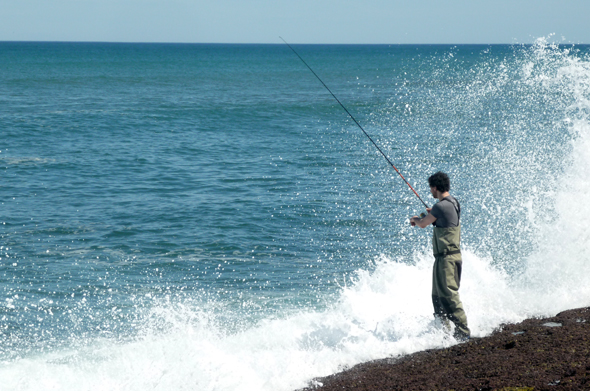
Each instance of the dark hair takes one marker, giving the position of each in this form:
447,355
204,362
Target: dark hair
441,181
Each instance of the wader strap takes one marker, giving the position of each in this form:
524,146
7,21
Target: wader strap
455,204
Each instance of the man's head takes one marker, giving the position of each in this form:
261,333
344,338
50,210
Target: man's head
440,181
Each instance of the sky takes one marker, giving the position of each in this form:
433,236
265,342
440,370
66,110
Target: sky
298,21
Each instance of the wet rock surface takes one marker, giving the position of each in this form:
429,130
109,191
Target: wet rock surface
536,354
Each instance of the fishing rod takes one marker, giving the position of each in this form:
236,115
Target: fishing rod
356,122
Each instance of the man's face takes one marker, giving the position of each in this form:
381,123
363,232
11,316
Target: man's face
433,191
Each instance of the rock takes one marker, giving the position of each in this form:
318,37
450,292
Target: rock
539,354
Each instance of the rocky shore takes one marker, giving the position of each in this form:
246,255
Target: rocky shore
536,354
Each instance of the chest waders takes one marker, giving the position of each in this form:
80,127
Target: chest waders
446,278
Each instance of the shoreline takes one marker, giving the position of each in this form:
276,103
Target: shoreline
535,354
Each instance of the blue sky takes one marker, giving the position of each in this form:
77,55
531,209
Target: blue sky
298,21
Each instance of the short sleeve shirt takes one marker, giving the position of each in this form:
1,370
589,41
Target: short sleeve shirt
447,212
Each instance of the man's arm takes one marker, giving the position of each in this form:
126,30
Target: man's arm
424,221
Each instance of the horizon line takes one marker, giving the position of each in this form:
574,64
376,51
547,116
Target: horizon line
281,43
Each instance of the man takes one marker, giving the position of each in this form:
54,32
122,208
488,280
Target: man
445,216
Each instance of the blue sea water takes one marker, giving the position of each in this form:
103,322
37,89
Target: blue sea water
207,217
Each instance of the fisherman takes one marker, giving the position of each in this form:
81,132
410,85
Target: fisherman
446,277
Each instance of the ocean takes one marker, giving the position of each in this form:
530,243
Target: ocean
207,217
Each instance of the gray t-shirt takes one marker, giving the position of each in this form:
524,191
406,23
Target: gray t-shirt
447,212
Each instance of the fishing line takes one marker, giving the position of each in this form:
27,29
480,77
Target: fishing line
356,122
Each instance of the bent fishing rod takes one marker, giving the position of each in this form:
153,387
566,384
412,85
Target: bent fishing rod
356,122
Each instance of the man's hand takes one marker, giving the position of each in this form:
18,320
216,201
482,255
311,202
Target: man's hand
424,221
